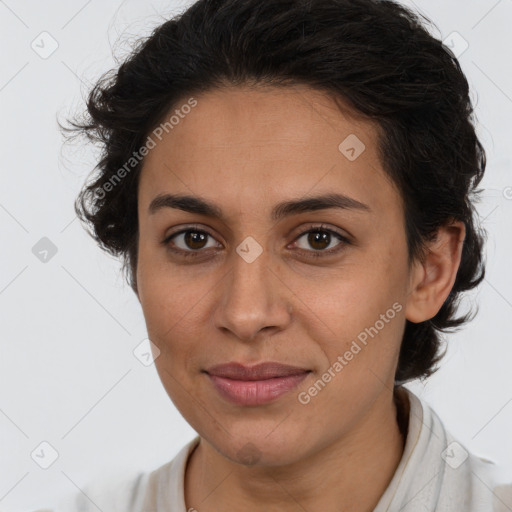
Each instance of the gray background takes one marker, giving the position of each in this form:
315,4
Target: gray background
69,325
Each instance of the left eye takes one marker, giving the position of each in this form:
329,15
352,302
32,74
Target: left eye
320,239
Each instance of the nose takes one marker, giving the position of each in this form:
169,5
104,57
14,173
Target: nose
253,299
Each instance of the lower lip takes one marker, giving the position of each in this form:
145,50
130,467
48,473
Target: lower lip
255,392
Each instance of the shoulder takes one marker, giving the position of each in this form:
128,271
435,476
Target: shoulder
502,498
132,492
114,493
443,472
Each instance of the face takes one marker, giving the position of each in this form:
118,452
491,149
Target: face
319,288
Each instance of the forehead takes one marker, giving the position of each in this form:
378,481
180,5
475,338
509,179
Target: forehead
257,144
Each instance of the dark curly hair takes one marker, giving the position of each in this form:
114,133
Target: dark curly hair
377,56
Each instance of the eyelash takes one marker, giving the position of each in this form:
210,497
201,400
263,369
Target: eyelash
312,229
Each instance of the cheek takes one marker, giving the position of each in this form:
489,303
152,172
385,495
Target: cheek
360,313
172,305
362,357
157,295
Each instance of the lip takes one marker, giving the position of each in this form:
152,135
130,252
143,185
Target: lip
255,385
261,371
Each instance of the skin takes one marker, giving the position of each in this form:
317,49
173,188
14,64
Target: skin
247,149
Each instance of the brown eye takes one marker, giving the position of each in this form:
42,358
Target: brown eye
195,239
321,241
189,242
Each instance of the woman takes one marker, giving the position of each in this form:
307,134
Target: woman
290,187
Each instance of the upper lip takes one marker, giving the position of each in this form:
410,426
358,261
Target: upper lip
261,371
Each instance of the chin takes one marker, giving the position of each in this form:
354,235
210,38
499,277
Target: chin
260,446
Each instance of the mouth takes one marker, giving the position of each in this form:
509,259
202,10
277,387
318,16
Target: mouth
255,385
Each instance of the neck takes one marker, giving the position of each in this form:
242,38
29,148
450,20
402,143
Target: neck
351,474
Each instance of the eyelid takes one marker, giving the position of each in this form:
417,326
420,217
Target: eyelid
343,238
323,227
195,228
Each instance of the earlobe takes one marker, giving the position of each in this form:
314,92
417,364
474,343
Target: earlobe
432,279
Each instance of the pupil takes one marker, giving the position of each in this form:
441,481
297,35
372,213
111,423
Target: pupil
192,237
319,237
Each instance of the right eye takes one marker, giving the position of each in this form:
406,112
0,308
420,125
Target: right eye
187,242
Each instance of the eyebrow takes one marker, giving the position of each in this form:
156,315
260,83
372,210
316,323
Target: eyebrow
201,206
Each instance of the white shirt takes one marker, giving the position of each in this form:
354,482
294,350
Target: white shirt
435,473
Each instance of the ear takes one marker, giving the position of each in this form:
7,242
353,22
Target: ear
432,278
